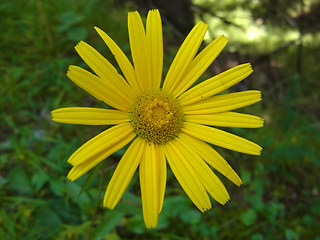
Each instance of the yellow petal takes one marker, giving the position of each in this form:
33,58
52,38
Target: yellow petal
89,116
155,45
211,156
216,84
139,50
209,180
81,169
95,86
125,65
104,69
200,63
124,173
100,142
221,138
187,177
163,175
150,185
226,119
184,57
223,103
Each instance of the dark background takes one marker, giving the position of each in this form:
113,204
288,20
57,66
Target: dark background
280,195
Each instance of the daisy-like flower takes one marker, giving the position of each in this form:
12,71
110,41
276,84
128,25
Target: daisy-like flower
170,122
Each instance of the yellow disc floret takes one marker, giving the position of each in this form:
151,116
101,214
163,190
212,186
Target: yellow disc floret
157,117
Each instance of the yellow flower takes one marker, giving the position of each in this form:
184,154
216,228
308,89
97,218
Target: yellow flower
162,122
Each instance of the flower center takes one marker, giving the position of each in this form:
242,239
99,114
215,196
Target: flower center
157,117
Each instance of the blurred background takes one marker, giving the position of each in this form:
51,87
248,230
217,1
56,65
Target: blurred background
279,198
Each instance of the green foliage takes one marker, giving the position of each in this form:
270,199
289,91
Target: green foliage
279,198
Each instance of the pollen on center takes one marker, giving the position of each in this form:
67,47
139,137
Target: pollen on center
157,117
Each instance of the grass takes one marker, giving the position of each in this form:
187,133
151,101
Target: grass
280,195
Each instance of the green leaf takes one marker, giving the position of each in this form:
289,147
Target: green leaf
83,200
136,224
255,200
47,222
128,208
274,210
57,186
175,205
245,176
308,221
77,33
163,222
90,177
129,196
290,234
70,17
39,179
112,218
257,236
191,216
249,217
19,180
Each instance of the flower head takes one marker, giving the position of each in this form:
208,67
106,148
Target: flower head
170,122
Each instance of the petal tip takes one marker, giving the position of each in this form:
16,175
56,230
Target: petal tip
224,37
98,30
259,151
53,112
107,203
131,13
71,177
239,183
